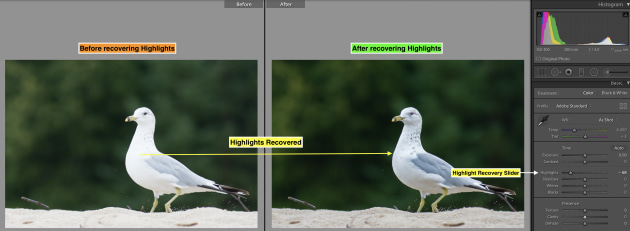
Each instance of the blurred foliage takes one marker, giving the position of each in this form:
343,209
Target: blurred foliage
472,113
66,138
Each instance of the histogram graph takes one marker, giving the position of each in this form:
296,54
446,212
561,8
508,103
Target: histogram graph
582,28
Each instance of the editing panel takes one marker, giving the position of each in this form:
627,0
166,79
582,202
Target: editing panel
580,94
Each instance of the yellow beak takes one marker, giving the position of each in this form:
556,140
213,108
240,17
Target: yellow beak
397,118
130,118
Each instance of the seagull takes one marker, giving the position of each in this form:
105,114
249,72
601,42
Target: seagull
161,173
426,172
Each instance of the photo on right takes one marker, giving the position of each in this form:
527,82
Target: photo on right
384,136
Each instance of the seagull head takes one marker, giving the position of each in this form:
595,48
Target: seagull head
142,115
409,116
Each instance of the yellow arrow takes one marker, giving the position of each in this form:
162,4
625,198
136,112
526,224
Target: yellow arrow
268,154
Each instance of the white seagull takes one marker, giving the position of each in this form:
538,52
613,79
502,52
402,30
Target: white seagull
427,173
161,173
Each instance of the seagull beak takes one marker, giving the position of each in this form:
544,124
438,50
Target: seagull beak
130,118
397,118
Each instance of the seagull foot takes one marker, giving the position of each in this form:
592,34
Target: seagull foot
435,209
167,206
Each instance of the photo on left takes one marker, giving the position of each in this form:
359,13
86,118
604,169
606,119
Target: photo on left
77,132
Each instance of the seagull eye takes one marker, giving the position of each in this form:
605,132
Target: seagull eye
146,113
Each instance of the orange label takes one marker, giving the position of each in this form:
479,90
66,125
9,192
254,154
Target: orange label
127,48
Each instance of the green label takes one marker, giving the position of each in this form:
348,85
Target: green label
396,48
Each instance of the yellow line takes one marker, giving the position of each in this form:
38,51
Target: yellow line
267,154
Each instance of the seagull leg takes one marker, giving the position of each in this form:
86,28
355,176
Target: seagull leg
167,206
421,201
434,205
155,201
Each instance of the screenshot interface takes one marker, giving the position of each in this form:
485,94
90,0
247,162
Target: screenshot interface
316,114
580,116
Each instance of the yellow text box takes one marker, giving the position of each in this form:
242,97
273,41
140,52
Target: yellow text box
127,48
486,172
265,142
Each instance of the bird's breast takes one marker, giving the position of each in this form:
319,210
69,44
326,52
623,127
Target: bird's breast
146,176
412,176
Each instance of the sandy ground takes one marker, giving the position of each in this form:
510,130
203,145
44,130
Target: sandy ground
281,218
125,218
391,218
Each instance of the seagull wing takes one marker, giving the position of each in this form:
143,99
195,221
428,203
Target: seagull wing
432,164
168,165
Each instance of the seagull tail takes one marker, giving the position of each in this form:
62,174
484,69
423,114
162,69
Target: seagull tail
501,192
225,189
497,190
234,192
492,189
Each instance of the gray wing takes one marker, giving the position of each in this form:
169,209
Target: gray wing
435,165
168,165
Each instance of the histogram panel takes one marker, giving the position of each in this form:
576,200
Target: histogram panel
582,28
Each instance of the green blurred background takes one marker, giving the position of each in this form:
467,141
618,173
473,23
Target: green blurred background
66,138
472,113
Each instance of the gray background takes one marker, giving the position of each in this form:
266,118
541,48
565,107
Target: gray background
322,30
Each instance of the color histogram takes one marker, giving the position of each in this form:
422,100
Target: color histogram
582,28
